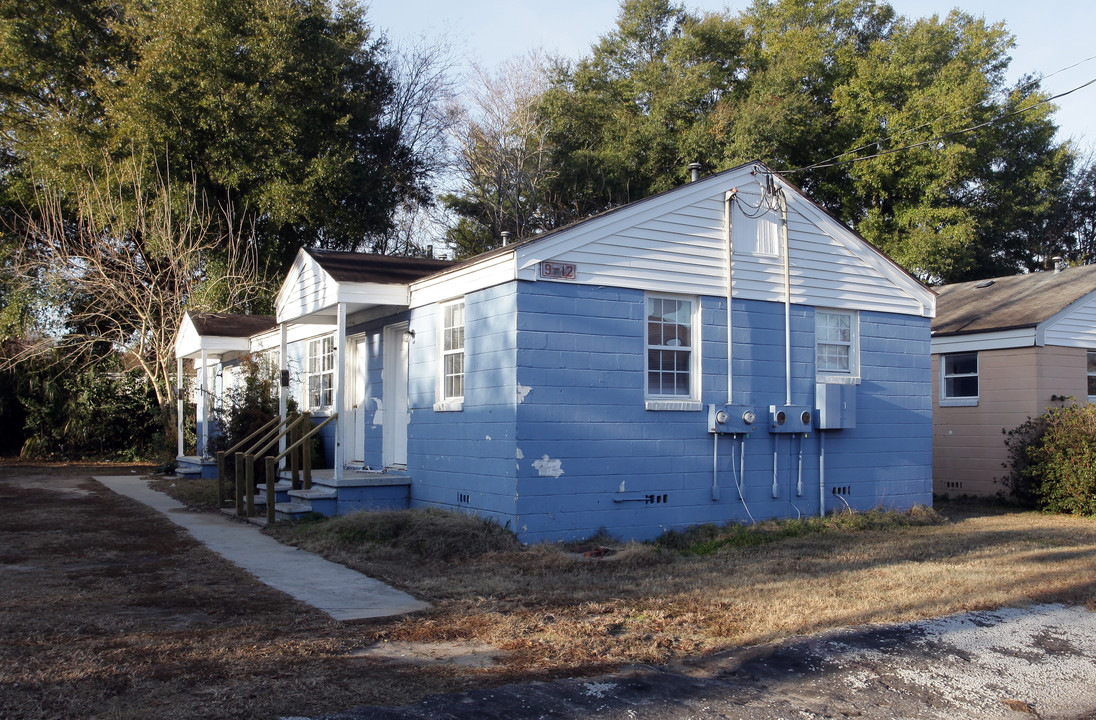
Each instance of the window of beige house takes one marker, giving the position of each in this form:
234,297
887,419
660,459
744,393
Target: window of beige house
959,379
1092,375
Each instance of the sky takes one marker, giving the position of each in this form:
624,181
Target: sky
1050,35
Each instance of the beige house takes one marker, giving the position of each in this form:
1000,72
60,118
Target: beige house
1004,350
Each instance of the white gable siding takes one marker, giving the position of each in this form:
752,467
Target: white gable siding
1075,326
676,242
307,289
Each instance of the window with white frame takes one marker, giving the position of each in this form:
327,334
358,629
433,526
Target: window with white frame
670,344
321,373
451,332
1092,375
836,338
959,379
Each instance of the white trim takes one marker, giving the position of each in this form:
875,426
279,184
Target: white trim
1000,340
852,377
673,405
961,400
446,402
309,372
451,284
339,390
695,350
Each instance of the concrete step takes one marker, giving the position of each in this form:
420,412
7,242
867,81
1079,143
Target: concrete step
316,493
293,510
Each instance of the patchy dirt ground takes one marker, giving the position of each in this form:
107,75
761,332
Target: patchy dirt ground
107,610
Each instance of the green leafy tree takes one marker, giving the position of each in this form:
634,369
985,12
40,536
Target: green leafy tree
905,129
278,107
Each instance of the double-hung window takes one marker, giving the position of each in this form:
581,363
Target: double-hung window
1092,375
451,344
959,379
836,337
671,342
321,373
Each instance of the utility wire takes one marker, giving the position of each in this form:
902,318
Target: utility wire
945,136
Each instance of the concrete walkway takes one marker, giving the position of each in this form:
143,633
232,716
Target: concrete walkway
342,593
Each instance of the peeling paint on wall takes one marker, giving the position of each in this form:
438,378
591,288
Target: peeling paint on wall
488,437
520,454
547,467
522,392
378,416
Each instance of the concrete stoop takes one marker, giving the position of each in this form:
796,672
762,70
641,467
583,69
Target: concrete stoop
195,467
356,490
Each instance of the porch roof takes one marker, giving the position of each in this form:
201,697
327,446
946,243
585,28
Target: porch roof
218,333
321,279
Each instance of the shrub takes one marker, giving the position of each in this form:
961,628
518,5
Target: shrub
1021,483
1061,469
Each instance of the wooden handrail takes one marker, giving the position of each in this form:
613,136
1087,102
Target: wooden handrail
246,475
223,455
272,462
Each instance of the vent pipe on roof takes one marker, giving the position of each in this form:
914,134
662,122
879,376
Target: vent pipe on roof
1059,263
505,237
694,171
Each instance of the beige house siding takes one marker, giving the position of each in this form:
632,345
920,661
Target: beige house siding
1013,385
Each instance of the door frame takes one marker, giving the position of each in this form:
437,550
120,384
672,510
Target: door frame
394,391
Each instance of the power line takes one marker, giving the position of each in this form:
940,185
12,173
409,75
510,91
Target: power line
829,163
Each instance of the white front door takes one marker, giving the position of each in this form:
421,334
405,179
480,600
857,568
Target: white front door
353,430
394,382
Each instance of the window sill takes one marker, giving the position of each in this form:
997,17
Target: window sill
837,379
449,406
959,402
674,405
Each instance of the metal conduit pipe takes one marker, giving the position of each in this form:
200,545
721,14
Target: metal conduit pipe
799,483
787,300
821,473
728,198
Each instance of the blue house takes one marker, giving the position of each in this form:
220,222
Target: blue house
723,351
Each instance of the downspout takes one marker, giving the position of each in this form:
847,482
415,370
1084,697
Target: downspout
821,473
787,301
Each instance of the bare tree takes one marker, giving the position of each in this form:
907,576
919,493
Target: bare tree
424,107
126,256
504,152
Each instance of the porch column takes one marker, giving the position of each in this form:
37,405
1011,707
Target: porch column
203,388
180,404
340,378
283,388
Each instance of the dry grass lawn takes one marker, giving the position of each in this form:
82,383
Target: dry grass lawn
107,610
554,611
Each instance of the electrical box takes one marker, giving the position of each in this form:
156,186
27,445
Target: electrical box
790,419
836,406
731,419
